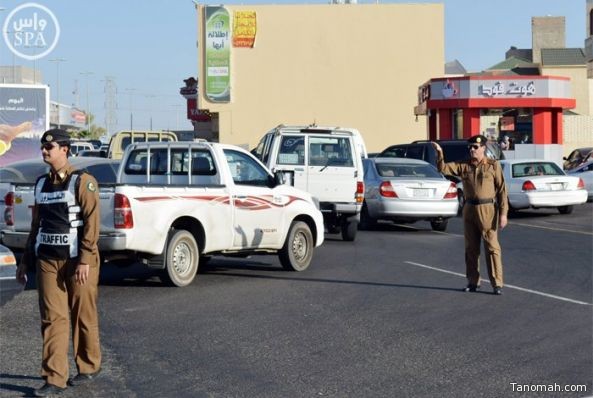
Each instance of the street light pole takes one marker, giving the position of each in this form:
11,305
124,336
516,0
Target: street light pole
88,108
131,93
57,61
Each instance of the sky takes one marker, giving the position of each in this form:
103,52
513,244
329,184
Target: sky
148,48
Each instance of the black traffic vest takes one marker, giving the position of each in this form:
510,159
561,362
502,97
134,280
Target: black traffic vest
60,221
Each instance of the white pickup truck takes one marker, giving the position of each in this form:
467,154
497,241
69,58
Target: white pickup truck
178,201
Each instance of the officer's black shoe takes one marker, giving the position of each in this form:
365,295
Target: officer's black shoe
48,390
471,288
497,290
83,378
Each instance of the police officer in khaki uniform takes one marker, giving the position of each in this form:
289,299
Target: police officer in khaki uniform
62,245
485,210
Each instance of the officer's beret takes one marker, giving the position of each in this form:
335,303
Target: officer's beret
56,135
477,139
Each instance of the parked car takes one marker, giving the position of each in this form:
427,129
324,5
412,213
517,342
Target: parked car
585,172
453,151
95,153
406,190
78,146
9,286
17,180
541,184
578,157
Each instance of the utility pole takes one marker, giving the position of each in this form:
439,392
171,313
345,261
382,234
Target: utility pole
58,61
88,108
110,105
131,93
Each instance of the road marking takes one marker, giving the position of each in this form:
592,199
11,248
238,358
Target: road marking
6,278
506,286
553,229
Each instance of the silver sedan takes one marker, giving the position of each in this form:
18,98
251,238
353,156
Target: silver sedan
406,190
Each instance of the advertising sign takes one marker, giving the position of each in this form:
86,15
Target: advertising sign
24,117
244,29
217,54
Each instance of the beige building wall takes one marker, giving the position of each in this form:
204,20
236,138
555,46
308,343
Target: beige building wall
345,65
579,85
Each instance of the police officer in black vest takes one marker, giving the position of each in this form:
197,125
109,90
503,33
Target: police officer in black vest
62,245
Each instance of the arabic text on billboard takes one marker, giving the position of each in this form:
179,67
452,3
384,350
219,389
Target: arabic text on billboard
218,54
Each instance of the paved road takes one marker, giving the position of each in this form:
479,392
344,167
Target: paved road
382,317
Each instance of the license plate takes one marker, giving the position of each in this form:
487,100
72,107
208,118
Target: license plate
557,187
421,193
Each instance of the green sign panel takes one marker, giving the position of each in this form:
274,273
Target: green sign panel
218,54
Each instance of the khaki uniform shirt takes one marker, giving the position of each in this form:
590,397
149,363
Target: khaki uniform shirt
483,180
88,198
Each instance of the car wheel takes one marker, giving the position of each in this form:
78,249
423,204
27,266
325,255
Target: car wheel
183,257
439,225
366,221
565,209
297,252
349,229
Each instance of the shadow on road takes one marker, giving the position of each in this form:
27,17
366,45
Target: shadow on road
26,391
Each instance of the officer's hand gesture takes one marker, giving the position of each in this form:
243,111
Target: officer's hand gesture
81,275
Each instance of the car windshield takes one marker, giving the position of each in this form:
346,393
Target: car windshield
529,169
395,170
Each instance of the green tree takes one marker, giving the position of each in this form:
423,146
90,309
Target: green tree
94,131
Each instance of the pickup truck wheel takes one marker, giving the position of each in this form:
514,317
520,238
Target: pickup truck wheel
183,258
297,251
349,229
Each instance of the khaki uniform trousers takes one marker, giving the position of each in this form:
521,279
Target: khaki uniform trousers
61,298
480,222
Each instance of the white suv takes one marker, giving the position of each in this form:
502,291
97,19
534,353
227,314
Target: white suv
324,161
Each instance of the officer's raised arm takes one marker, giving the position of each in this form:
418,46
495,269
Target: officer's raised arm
451,168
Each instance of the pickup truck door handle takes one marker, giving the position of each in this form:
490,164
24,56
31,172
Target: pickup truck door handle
240,197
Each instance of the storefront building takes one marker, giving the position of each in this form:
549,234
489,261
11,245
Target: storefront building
527,109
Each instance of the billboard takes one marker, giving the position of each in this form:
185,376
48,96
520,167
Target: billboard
218,54
24,117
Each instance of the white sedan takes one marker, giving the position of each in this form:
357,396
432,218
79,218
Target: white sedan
585,172
406,190
541,184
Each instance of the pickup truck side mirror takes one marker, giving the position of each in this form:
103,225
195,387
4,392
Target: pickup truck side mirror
282,177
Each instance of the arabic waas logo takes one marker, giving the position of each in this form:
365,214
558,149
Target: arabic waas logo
31,31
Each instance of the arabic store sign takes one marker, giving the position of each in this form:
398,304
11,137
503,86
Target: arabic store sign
31,31
217,54
514,88
546,87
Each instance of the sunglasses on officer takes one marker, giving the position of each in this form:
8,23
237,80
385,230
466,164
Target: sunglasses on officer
48,146
474,147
